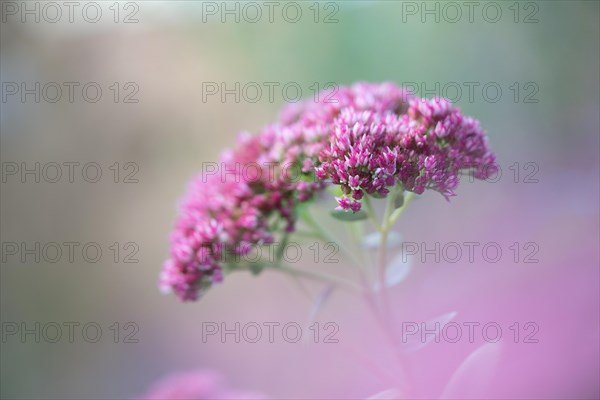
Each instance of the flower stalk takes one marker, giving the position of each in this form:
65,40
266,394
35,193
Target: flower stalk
367,140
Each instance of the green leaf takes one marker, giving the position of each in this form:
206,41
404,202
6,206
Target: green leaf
335,190
372,241
256,268
349,216
473,377
281,248
308,177
399,201
413,342
398,270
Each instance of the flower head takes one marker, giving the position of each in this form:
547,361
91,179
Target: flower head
366,138
362,155
425,148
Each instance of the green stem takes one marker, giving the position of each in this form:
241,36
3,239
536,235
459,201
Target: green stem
325,236
390,216
371,213
316,227
398,212
386,226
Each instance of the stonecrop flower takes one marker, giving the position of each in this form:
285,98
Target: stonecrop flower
425,148
366,138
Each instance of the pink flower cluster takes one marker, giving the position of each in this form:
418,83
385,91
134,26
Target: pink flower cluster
366,138
425,148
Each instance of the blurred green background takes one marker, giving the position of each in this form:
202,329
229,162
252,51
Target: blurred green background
169,54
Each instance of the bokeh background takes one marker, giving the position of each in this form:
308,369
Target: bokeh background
169,53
